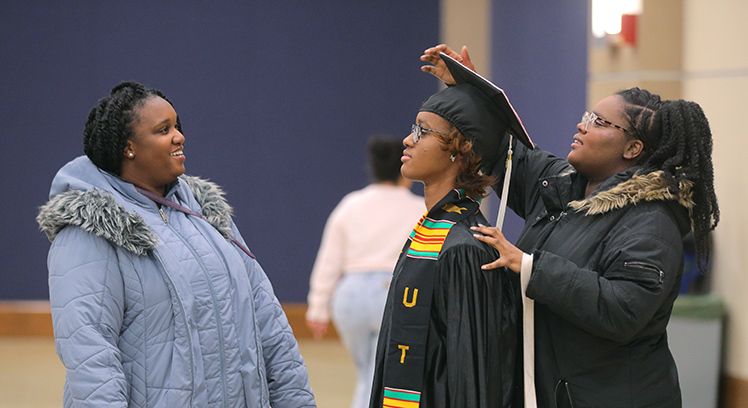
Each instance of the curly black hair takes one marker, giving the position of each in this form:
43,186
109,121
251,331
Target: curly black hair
110,124
678,142
470,177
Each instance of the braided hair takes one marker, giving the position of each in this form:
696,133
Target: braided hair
110,124
678,142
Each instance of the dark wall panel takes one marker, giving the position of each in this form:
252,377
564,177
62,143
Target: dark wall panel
540,60
277,99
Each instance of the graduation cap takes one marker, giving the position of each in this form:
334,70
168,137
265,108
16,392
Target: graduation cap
481,111
464,75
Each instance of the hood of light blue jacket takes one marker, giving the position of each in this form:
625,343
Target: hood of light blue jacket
84,195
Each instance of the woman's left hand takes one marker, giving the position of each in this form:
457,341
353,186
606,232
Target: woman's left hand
509,255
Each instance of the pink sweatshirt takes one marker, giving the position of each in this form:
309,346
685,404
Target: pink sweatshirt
364,233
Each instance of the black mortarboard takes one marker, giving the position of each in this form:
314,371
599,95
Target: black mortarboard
474,115
462,74
481,111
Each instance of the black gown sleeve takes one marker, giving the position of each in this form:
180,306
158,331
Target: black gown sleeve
473,337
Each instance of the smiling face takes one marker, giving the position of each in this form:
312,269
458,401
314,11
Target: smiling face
154,156
604,150
428,161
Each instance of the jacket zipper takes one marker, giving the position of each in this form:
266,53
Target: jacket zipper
219,324
647,266
186,322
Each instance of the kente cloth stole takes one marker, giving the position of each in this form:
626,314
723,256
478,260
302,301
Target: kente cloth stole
411,300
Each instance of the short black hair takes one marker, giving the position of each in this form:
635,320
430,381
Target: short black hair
384,158
110,124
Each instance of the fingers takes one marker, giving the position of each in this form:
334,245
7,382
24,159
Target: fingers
488,231
430,69
438,67
318,329
430,57
435,50
464,53
493,265
432,54
491,236
509,255
318,335
466,59
488,240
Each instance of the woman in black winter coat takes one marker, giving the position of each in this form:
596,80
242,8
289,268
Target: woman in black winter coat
601,254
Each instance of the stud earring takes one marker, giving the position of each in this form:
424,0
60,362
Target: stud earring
452,157
130,154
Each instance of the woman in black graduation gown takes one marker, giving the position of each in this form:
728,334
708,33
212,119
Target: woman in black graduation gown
449,332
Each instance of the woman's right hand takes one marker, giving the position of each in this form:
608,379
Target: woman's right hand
317,328
509,255
438,68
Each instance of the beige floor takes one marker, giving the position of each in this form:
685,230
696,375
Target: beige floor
31,375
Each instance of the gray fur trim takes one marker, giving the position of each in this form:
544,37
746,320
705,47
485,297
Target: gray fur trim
639,188
216,210
97,212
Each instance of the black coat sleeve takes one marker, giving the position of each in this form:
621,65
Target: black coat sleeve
632,289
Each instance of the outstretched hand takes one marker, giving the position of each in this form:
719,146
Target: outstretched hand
438,68
509,255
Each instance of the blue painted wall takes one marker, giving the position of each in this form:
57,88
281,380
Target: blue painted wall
277,99
539,58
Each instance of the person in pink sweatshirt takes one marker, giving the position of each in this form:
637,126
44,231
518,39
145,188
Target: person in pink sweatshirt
360,245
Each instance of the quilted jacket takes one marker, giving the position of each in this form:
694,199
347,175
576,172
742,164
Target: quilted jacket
153,307
607,269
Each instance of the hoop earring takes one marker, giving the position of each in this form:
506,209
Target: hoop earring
452,157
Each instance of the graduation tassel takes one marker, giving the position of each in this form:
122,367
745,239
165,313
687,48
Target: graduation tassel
528,305
505,187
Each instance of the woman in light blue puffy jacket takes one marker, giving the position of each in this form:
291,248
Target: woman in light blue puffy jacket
156,301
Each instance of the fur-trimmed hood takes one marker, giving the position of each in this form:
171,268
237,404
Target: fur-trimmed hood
96,210
639,188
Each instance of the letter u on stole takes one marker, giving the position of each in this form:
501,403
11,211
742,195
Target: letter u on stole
405,297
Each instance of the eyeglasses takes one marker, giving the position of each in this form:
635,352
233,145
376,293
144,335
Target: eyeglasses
590,117
417,131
